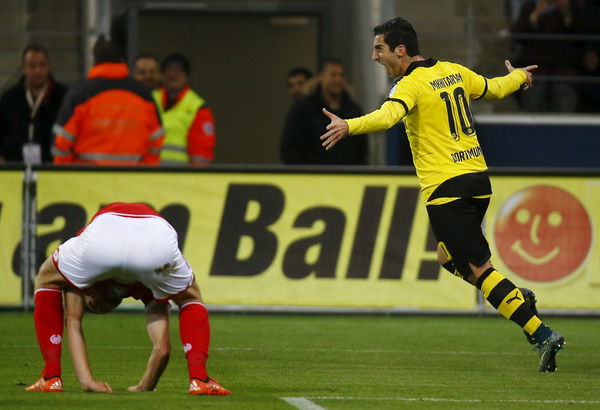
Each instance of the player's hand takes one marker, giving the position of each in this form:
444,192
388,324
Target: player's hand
95,386
336,130
527,70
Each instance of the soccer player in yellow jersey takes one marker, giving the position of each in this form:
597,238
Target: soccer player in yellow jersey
432,99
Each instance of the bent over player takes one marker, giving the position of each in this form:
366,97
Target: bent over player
126,242
432,98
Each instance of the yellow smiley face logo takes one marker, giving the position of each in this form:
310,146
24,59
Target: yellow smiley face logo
543,233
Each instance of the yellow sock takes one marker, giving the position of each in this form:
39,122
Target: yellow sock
507,299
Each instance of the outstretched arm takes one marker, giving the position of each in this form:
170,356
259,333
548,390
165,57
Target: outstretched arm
500,87
157,325
527,70
74,309
390,112
336,130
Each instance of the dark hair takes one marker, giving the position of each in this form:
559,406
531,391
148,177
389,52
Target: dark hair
145,56
106,51
300,71
399,31
330,61
178,59
35,48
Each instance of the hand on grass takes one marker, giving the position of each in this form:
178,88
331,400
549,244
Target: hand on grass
95,386
138,388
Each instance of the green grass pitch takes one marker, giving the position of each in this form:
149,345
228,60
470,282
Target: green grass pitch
335,362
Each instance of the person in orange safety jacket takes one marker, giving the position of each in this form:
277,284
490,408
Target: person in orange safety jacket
108,118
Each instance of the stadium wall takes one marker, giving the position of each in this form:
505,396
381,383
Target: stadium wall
305,238
541,141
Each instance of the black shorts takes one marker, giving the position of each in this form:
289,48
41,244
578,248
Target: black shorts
458,225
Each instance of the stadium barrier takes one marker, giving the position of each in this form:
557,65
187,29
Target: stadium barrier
546,141
294,238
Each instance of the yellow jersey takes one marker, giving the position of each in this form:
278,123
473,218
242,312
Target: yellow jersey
432,99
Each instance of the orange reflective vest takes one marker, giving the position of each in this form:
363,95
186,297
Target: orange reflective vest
108,119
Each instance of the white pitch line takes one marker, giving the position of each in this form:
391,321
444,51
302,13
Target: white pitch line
449,400
302,403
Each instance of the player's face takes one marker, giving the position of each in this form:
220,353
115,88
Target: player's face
333,79
94,303
384,56
36,69
147,72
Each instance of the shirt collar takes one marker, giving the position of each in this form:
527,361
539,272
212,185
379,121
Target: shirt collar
168,102
109,70
430,62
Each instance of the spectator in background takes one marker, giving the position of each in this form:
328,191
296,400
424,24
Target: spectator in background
556,57
590,90
189,123
28,110
108,118
305,123
296,82
147,71
513,7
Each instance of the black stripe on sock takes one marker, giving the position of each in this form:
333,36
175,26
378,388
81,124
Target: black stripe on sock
522,315
483,276
497,295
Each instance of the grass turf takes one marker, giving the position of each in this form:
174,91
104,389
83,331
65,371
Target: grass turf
337,362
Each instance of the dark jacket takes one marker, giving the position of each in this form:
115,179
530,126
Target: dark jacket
304,125
544,51
14,120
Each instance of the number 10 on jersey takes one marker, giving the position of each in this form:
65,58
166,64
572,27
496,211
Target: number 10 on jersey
458,103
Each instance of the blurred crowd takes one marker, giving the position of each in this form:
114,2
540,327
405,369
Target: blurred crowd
116,117
559,36
149,114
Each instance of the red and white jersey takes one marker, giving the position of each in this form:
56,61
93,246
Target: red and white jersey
125,209
126,242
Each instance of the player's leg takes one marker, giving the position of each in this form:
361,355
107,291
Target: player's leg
69,265
172,277
445,259
194,331
510,301
525,314
49,322
168,275
458,225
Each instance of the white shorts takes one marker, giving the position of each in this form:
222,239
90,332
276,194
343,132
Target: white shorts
127,249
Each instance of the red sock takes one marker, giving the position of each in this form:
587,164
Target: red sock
194,331
49,323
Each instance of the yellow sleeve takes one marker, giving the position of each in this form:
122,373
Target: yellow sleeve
497,87
500,87
385,117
